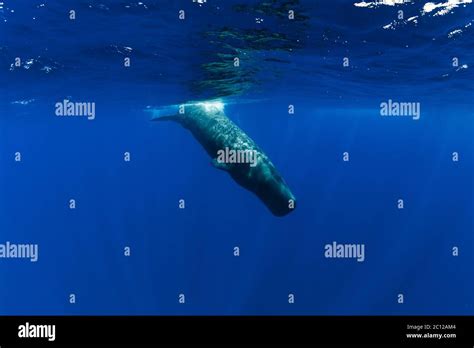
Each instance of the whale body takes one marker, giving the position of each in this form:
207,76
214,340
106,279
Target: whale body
218,135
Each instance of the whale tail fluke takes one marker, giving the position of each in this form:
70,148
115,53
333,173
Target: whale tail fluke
169,113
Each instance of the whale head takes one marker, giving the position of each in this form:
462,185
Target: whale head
272,189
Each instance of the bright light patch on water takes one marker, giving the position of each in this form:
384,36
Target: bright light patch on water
444,8
381,2
171,110
211,106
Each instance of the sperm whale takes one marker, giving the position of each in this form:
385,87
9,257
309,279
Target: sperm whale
235,152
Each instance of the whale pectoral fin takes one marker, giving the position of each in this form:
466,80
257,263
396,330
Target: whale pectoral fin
219,165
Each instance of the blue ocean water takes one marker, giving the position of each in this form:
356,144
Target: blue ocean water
335,62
